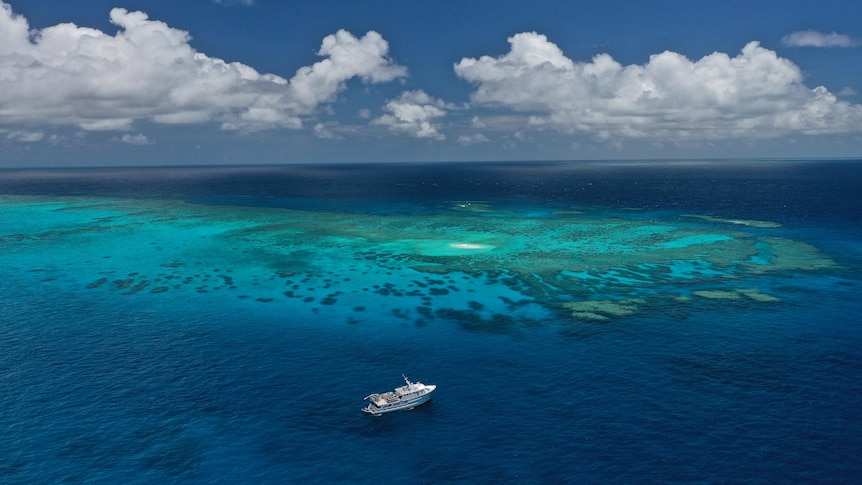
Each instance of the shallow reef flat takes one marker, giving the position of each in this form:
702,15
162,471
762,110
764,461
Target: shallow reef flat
743,222
472,262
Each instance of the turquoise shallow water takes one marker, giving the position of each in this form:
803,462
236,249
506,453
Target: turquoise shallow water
217,325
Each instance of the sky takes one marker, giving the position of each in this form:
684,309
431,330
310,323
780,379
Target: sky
192,82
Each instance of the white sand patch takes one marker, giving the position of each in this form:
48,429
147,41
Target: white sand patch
469,246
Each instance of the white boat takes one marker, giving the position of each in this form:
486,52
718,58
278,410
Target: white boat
402,398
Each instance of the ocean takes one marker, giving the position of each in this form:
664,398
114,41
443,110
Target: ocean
607,322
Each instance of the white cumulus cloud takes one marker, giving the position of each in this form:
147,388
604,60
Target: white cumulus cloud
138,139
235,2
813,38
472,139
322,130
71,75
346,57
671,98
25,136
414,113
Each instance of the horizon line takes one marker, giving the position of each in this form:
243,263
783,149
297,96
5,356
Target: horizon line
620,161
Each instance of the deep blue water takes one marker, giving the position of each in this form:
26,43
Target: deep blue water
101,387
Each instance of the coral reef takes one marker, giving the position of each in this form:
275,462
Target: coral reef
573,263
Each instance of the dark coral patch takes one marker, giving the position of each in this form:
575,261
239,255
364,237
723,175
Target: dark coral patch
123,284
424,311
514,305
473,321
140,286
99,282
431,269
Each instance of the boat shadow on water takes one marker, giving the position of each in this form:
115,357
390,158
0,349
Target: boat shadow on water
398,422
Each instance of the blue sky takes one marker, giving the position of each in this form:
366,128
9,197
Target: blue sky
167,82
